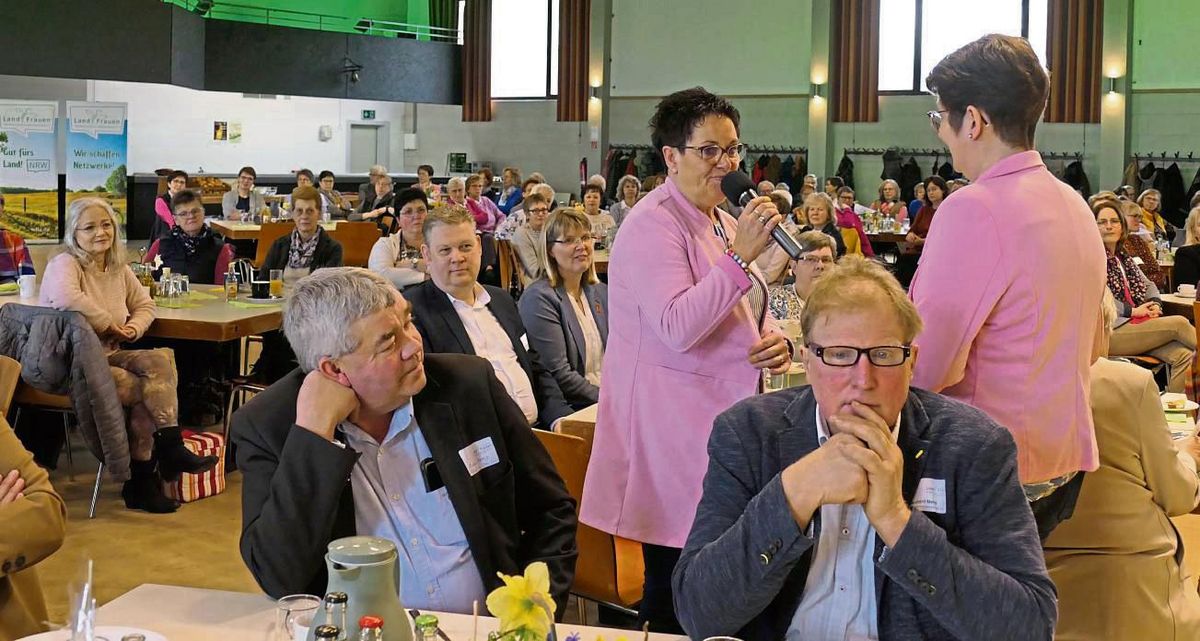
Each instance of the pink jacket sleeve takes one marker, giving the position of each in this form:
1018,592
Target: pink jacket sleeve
163,211
152,252
223,260
681,311
955,289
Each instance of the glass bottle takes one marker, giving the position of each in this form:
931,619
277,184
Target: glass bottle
370,628
231,284
335,611
328,632
426,627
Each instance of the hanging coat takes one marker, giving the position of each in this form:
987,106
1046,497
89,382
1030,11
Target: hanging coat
947,172
891,166
1131,176
845,171
1074,176
1194,189
787,170
1174,196
910,177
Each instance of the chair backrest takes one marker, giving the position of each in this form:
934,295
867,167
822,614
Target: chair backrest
509,276
357,239
10,375
610,569
267,235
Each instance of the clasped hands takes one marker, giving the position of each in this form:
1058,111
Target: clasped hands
121,333
1149,309
859,464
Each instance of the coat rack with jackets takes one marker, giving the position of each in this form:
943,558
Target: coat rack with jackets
908,174
1150,171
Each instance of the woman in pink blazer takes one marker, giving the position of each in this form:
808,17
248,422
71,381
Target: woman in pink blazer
689,335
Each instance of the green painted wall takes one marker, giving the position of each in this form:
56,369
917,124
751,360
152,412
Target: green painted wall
1164,44
731,48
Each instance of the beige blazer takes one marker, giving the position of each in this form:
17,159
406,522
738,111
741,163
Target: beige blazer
1115,561
31,529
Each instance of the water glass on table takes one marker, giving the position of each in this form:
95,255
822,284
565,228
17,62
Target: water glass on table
293,617
276,283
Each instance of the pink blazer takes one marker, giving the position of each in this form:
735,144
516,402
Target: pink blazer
680,331
1009,287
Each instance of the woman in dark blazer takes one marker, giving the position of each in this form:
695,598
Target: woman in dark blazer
566,311
1187,258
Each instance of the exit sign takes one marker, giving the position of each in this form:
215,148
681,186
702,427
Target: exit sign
368,114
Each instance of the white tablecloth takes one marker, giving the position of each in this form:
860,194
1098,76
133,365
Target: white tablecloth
194,614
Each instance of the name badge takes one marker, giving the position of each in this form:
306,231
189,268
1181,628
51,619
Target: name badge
525,341
930,496
479,455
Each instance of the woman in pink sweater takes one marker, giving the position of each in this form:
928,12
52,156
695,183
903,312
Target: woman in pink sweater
92,278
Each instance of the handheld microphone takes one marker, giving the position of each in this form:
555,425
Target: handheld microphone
738,188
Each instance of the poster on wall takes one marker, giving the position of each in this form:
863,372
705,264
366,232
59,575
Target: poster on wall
220,130
29,167
97,140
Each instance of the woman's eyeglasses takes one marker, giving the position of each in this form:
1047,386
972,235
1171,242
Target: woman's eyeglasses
935,118
585,239
713,153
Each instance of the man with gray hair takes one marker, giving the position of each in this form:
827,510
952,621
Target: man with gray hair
805,529
373,437
366,191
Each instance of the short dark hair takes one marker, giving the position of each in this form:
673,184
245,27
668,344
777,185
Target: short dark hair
185,197
836,181
409,194
935,180
325,174
529,181
248,170
1002,77
677,115
589,188
306,172
178,173
426,168
488,174
845,190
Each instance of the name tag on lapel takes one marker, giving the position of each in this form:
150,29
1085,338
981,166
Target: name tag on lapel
525,341
479,455
930,496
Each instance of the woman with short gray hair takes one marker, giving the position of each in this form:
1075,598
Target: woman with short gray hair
628,188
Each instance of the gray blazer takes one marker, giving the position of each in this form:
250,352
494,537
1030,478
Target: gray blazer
229,202
975,572
555,334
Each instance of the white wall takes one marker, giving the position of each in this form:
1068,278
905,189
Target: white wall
173,127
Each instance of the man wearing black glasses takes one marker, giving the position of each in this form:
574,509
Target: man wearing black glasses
859,507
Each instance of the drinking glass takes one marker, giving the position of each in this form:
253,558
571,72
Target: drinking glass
294,614
276,283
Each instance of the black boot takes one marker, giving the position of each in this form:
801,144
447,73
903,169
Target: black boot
173,458
143,491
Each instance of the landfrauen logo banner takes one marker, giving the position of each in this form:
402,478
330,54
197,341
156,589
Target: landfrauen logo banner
97,148
29,168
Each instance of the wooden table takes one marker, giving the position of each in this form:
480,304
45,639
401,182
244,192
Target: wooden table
600,259
886,237
1176,305
210,320
217,199
236,230
581,423
194,614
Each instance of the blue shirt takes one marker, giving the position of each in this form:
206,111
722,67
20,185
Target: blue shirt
437,570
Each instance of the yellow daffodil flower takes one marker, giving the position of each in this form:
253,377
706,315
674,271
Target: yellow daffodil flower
523,604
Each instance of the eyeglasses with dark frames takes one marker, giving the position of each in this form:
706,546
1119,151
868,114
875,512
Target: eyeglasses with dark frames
847,356
713,153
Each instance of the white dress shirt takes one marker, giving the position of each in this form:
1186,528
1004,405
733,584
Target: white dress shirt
593,344
839,596
437,570
492,343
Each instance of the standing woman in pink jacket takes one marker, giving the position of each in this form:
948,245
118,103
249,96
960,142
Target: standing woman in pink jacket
689,335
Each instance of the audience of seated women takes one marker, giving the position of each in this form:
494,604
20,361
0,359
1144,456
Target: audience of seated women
849,220
380,208
816,255
1116,561
1150,201
243,201
628,190
164,220
487,215
527,240
191,248
1140,327
600,219
333,203
511,190
398,256
91,277
917,202
566,311
818,215
889,203
1187,257
433,191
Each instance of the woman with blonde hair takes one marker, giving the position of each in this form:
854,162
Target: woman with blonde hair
566,311
819,216
1141,247
1150,201
889,203
91,277
1187,258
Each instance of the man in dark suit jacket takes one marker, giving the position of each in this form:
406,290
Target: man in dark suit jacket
452,252
805,526
305,484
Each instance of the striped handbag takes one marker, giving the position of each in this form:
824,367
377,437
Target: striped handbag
193,487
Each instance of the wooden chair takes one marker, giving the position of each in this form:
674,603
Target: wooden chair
357,239
510,276
27,396
610,569
267,235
